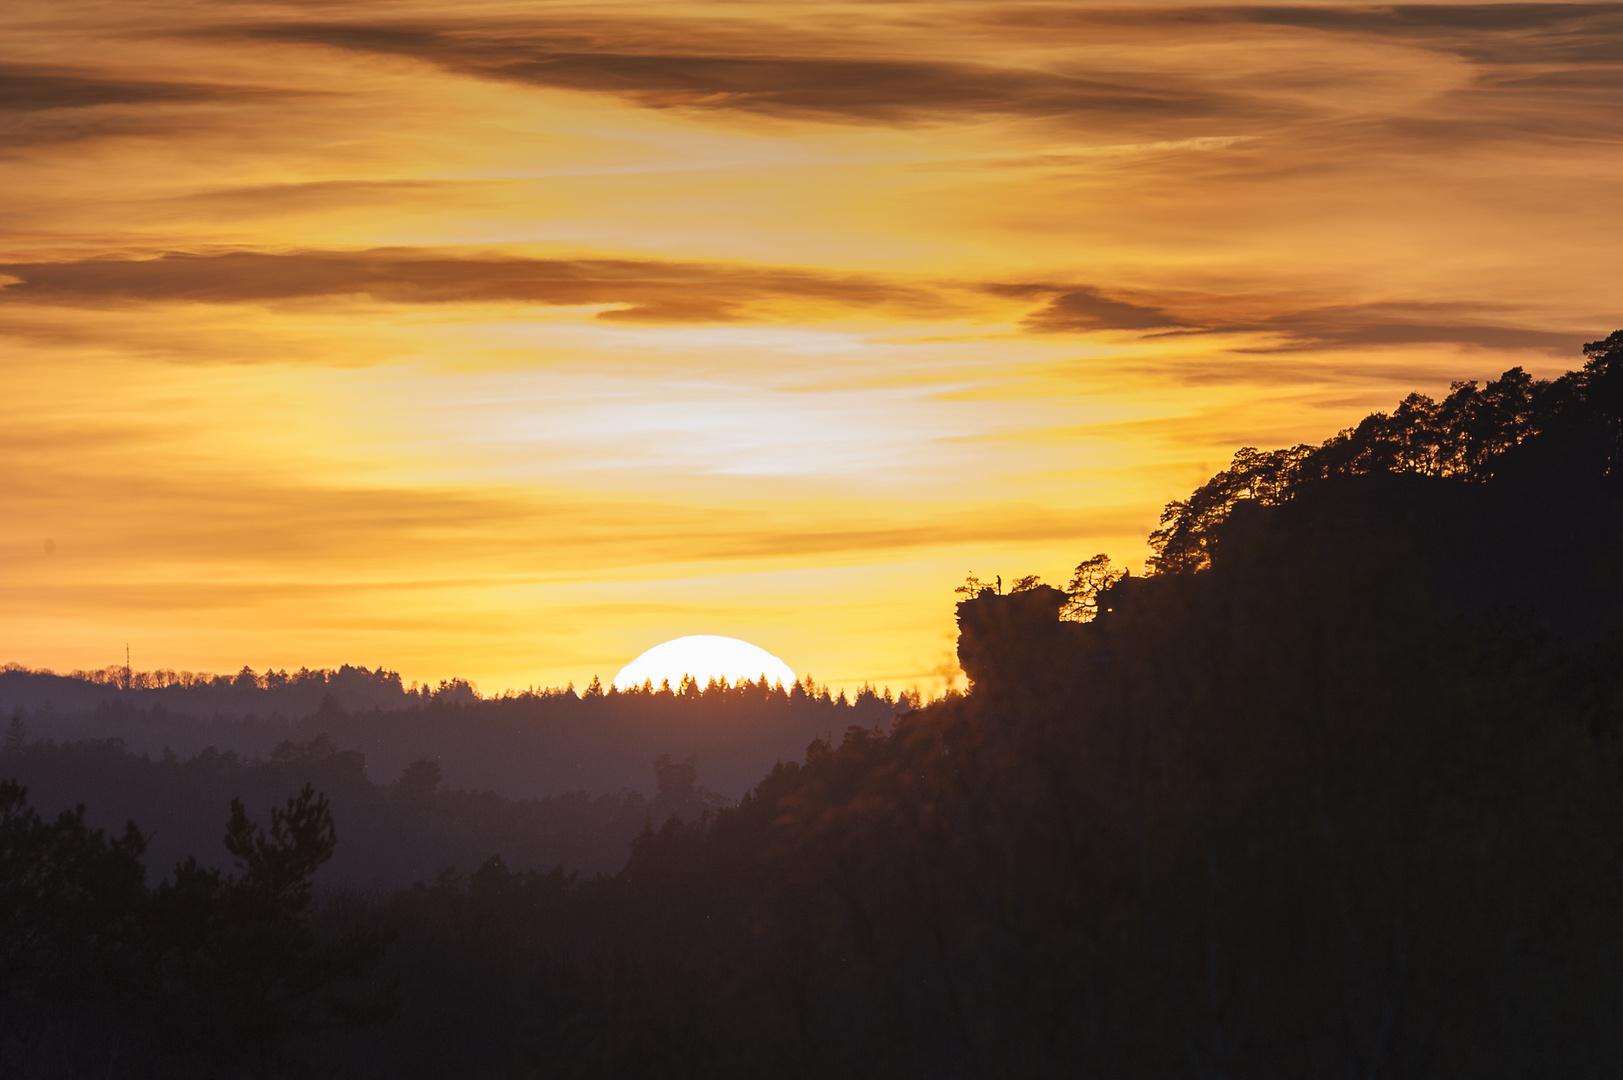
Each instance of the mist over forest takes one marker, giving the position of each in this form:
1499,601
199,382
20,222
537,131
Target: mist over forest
424,779
1335,789
528,744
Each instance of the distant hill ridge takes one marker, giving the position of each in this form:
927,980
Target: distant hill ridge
523,745
303,691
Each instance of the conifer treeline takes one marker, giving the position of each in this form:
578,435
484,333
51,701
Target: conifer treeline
529,744
277,691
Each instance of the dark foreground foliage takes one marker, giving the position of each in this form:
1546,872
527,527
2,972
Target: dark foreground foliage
1338,791
394,833
207,975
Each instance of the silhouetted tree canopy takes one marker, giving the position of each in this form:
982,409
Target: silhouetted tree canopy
207,975
1472,435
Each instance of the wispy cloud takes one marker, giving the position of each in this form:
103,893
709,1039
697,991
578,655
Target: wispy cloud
1379,324
239,524
1084,308
689,71
764,68
43,105
650,291
638,290
1545,72
1554,31
26,88
1282,324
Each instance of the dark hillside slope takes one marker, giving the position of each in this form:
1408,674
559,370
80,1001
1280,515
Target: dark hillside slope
389,834
1336,792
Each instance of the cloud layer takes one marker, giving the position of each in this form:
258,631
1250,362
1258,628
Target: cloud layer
25,88
1522,54
426,334
678,74
653,292
642,291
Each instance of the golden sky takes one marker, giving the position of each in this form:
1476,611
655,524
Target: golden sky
506,340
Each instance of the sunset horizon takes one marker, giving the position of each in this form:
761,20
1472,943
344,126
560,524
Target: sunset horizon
505,341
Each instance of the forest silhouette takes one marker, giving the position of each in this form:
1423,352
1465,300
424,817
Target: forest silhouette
1335,789
528,744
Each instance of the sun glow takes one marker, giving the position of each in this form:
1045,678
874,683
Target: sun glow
705,657
393,337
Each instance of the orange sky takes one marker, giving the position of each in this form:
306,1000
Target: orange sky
505,340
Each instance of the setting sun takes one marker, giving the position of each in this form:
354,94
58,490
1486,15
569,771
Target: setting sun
704,657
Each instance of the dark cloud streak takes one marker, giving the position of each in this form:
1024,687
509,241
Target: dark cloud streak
1494,36
1546,70
45,106
1080,309
1381,324
644,290
681,292
873,90
38,89
1387,20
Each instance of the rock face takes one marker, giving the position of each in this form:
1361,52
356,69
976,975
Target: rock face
1014,643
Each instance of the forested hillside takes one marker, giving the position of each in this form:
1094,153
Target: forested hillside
395,833
1336,790
531,744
